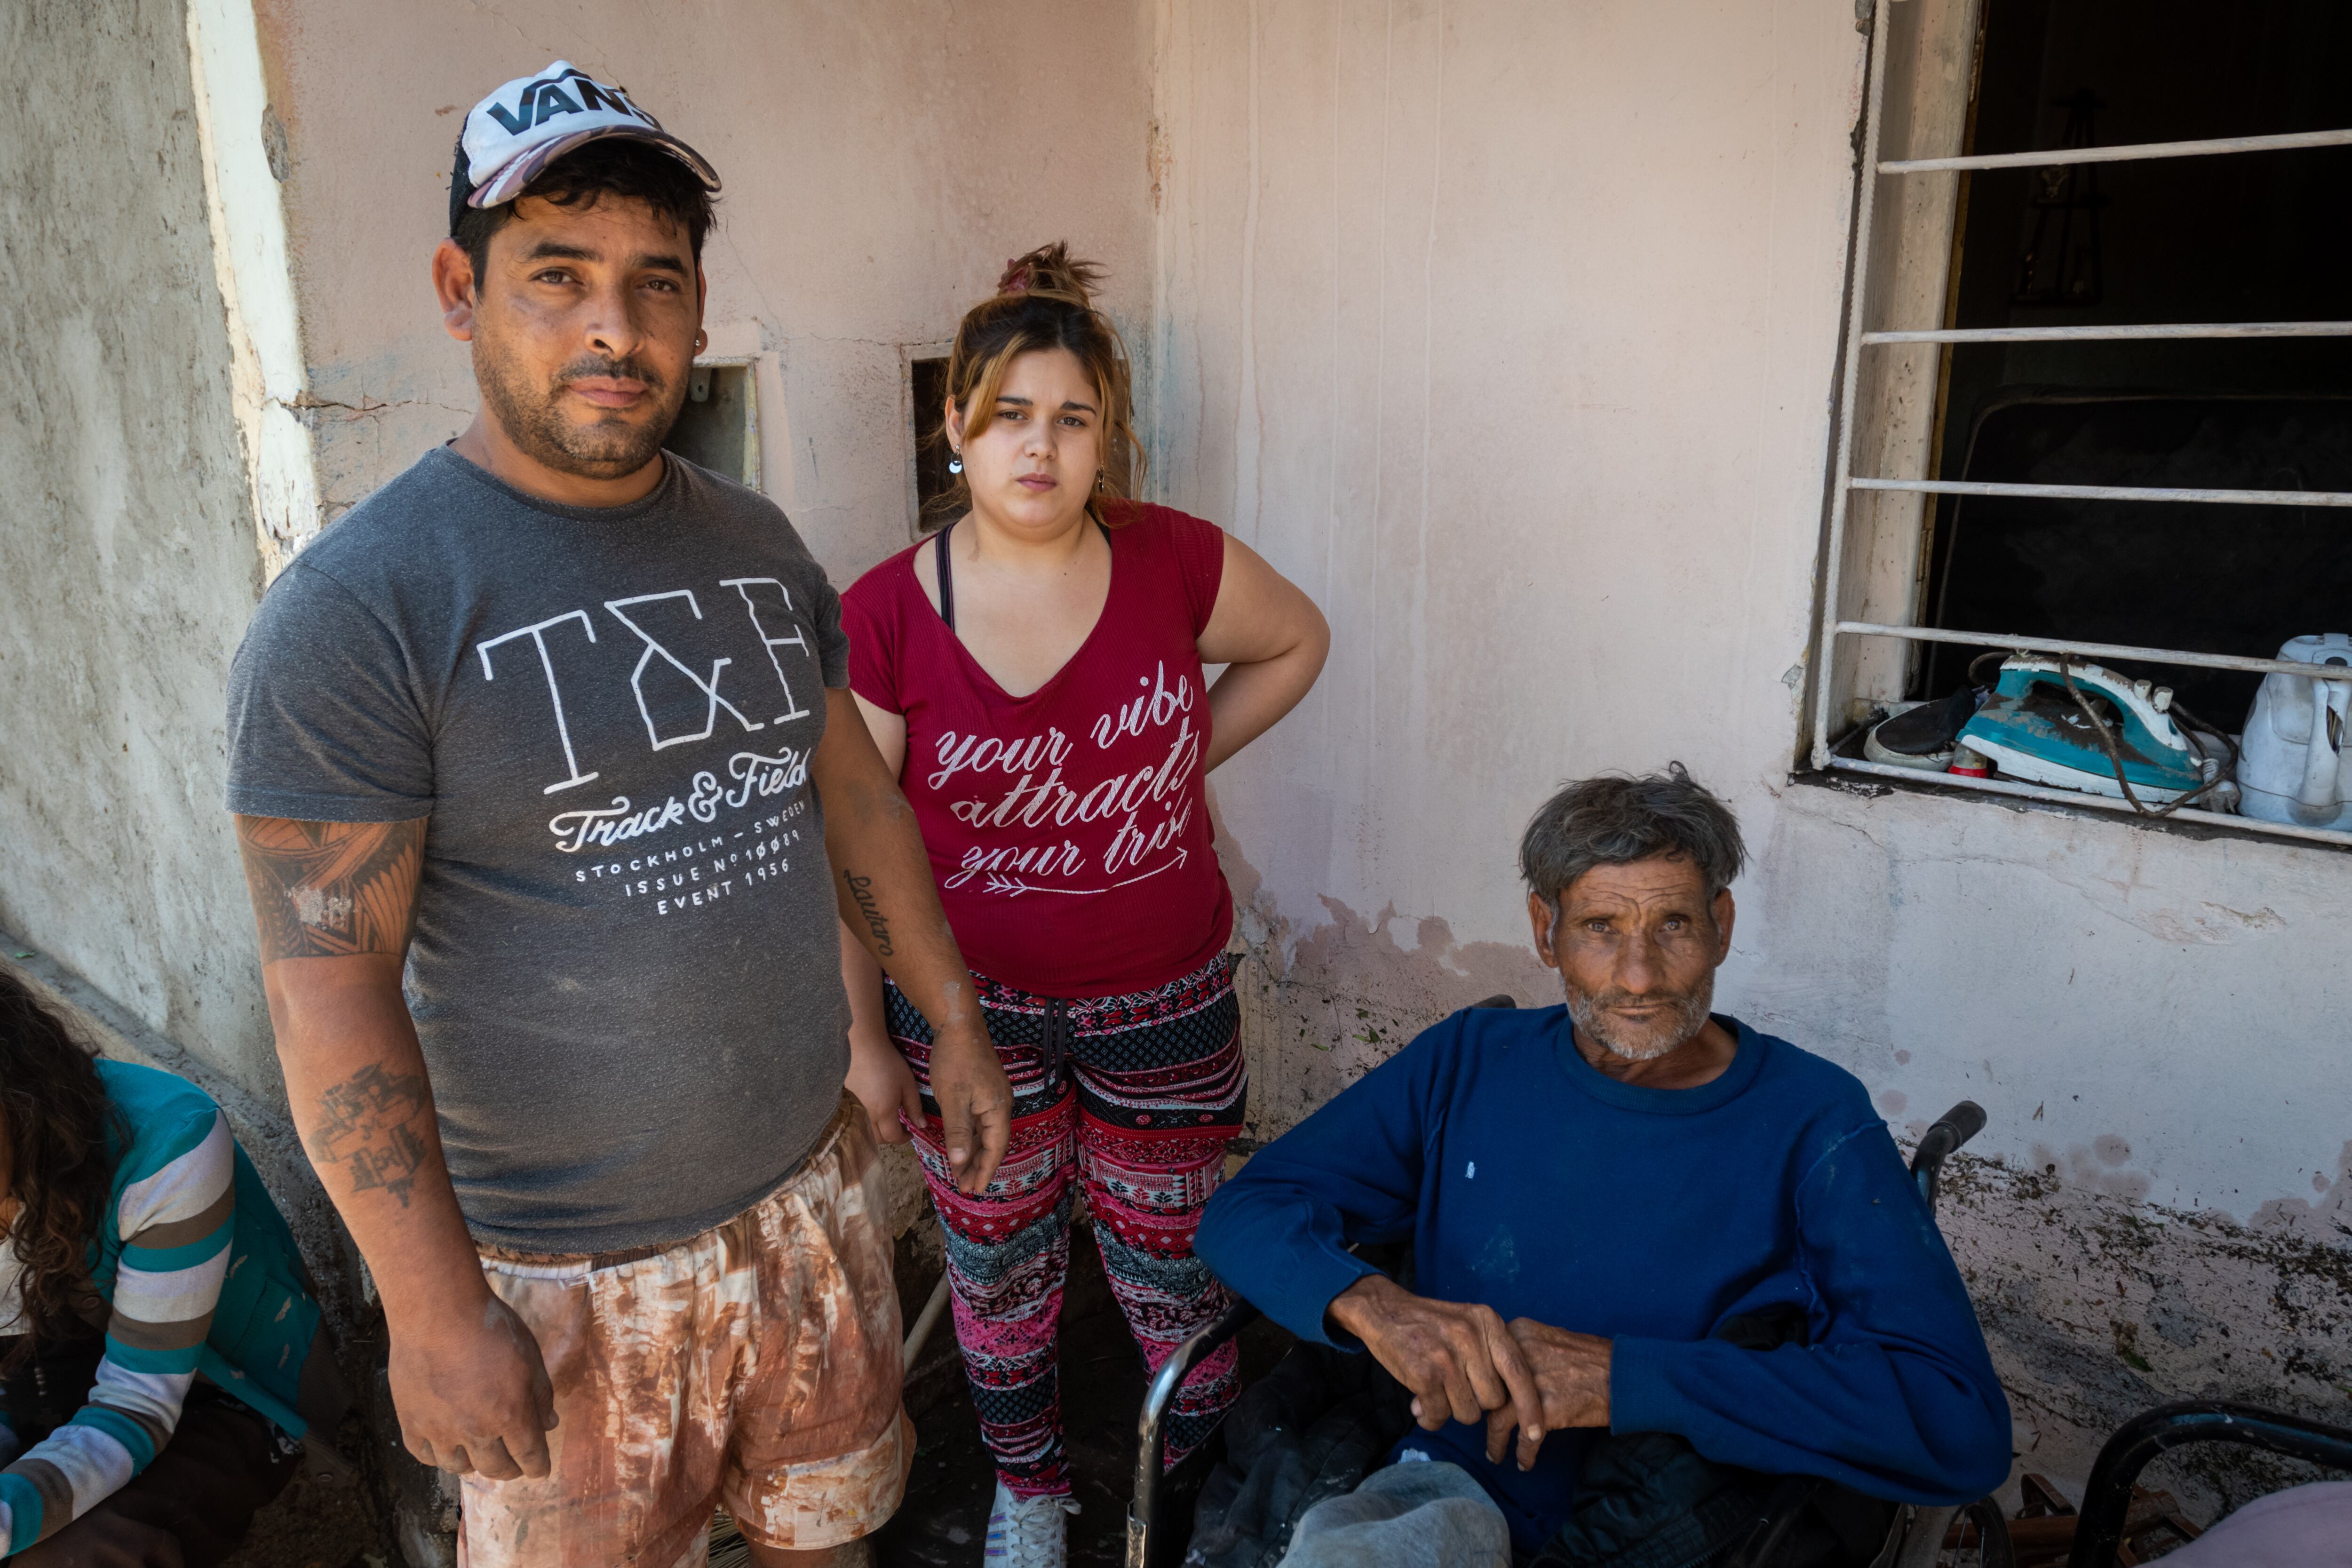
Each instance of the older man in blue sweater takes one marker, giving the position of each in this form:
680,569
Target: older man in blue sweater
1594,1190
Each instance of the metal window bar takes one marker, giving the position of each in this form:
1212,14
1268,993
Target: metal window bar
2130,154
2110,492
1846,482
2146,332
2081,650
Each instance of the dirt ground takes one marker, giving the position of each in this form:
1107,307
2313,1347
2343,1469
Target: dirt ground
318,1521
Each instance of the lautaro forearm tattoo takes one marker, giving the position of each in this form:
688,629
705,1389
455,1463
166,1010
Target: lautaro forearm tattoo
330,889
869,910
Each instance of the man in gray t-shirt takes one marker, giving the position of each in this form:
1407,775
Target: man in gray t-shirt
603,717
554,802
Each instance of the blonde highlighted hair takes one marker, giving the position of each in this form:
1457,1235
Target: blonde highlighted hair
1044,300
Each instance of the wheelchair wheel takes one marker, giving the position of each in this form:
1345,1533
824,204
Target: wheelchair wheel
1978,1538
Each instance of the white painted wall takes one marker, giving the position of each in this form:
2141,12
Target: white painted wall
881,162
1506,328
1509,329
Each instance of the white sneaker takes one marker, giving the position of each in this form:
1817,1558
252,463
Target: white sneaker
1028,1533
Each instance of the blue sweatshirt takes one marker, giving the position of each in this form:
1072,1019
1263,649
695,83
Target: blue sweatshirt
1530,1181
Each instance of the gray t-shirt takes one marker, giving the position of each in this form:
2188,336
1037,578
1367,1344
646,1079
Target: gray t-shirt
624,973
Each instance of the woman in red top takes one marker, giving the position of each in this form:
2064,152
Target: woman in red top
1034,672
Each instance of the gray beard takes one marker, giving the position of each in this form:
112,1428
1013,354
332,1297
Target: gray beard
1688,1017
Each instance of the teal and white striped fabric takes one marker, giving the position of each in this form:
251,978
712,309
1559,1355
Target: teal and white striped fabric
161,1266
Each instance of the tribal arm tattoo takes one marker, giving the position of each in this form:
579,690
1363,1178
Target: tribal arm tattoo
345,891
328,889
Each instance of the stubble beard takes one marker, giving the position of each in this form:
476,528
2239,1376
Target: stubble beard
532,418
1687,1015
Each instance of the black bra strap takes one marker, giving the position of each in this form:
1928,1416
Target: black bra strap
947,570
947,576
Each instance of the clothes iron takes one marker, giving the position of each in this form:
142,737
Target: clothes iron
2032,729
2295,768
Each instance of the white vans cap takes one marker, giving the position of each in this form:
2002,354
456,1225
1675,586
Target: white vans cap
524,126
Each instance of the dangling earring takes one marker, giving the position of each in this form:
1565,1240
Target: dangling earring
955,460
1101,483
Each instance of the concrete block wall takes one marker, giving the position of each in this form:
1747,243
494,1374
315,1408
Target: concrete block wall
128,564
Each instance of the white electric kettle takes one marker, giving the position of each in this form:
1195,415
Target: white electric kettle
2295,767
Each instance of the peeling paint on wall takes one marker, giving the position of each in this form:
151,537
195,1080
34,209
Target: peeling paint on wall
1322,1006
246,158
1509,331
2098,1306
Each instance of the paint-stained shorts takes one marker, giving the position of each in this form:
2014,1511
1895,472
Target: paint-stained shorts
754,1365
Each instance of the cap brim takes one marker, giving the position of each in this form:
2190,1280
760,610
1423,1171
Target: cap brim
508,182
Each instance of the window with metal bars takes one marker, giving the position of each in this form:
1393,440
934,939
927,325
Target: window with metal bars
2093,448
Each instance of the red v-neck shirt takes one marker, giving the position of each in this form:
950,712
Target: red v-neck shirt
1068,829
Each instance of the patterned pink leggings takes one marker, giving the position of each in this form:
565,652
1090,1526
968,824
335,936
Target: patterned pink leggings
1139,1094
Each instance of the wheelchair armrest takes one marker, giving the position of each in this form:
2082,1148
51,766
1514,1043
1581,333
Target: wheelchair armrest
1952,1130
1151,1426
2108,1493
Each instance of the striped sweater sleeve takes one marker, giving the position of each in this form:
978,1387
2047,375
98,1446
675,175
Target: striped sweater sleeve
176,1225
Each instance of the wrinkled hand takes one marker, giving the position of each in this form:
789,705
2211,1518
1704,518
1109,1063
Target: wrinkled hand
472,1394
1457,1359
885,1085
975,1106
1571,1375
106,1539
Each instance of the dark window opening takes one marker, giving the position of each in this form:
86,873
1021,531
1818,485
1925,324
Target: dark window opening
929,381
2261,237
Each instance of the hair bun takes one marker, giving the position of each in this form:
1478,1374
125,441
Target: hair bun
1050,270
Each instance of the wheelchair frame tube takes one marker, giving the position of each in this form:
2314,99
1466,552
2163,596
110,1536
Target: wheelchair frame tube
1151,1427
1952,1130
2140,1440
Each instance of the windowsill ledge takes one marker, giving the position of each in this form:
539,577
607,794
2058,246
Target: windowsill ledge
1852,776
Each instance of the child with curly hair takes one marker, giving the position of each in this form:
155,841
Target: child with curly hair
160,1354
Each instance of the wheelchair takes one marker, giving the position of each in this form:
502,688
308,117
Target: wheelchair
2107,1497
1159,1520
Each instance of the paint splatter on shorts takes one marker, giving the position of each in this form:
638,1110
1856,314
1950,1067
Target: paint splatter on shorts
755,1364
1139,1096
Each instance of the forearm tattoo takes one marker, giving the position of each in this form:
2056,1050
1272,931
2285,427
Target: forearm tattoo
328,889
861,890
366,1125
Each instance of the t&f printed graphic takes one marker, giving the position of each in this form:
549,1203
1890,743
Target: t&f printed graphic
685,830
